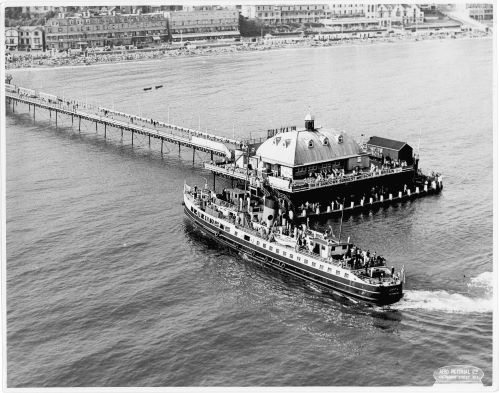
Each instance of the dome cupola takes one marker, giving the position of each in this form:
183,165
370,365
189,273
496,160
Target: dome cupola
309,122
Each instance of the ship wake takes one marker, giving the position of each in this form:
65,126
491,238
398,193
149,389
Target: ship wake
477,299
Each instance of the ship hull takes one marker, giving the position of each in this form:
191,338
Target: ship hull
372,294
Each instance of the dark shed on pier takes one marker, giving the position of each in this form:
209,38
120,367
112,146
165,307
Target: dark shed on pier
396,150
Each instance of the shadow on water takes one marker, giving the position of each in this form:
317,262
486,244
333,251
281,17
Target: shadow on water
111,143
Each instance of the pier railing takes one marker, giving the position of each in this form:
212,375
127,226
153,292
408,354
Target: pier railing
285,184
184,136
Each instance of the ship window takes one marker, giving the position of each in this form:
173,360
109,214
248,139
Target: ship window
235,233
298,259
202,216
270,248
246,237
257,243
306,261
338,272
344,247
313,264
277,250
321,267
264,245
310,144
284,254
291,255
325,141
346,275
323,247
329,270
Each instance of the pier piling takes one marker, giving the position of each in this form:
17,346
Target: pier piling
55,104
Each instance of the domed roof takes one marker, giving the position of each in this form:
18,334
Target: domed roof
304,147
309,117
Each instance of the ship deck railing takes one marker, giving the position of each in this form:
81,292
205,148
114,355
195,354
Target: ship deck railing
360,273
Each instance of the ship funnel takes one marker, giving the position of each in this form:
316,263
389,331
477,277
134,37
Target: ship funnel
269,211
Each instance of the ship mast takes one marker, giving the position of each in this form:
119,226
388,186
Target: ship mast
341,222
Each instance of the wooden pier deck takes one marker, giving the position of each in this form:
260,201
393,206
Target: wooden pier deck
151,128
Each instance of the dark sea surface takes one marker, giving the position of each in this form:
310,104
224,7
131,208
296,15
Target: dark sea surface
108,284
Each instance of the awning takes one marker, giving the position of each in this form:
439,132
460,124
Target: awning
209,34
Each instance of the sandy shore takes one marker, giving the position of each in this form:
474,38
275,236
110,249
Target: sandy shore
27,61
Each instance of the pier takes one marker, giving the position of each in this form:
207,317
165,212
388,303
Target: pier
124,122
346,193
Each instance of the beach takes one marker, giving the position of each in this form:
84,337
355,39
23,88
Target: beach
43,60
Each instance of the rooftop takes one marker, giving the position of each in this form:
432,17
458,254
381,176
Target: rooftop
388,143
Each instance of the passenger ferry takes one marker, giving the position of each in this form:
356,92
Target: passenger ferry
257,227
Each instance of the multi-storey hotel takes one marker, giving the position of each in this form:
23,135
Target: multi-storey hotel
203,25
388,14
284,14
64,33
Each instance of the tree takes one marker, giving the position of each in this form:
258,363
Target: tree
251,28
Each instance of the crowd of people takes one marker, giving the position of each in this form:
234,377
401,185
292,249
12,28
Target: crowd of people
46,59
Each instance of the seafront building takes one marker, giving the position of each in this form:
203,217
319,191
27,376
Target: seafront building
285,14
81,32
31,38
89,30
37,10
11,38
481,12
388,14
208,24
